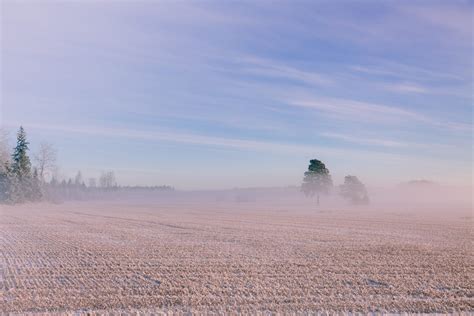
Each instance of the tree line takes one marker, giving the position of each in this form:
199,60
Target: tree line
317,180
21,180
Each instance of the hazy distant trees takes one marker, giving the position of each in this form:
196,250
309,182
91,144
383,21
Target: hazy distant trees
78,179
45,159
419,183
4,152
317,179
354,191
92,183
107,180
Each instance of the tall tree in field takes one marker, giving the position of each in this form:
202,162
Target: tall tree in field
317,179
354,190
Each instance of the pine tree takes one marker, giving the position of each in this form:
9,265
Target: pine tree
21,186
21,164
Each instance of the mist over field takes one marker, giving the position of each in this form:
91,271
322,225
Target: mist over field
236,157
427,199
238,251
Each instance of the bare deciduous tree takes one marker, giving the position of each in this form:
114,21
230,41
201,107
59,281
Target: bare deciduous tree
45,160
107,180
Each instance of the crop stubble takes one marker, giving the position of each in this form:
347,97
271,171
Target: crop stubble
85,256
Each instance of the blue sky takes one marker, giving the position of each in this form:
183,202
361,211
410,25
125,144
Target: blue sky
217,94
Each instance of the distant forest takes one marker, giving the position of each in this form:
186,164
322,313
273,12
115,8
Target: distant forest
25,179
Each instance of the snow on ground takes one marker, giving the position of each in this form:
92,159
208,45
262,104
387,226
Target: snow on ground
232,257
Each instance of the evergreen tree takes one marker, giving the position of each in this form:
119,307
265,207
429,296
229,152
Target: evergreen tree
316,180
21,180
21,164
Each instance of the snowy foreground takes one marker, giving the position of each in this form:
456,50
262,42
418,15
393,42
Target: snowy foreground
232,257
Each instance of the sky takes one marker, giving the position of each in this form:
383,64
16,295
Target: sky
222,94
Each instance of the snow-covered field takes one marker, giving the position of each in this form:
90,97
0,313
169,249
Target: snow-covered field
232,257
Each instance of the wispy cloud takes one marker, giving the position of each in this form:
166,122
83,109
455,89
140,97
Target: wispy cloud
383,142
272,69
406,87
365,141
356,110
407,79
403,71
370,112
177,137
455,18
